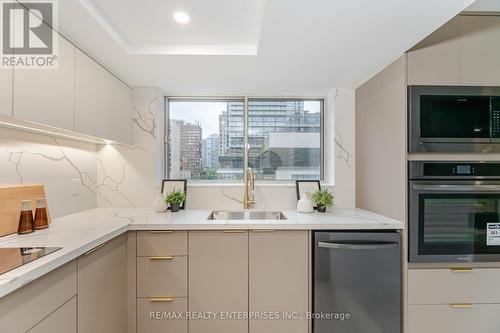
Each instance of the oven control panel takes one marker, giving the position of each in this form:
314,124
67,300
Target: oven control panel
443,170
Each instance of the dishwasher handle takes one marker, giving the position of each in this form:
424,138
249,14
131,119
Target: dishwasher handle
373,245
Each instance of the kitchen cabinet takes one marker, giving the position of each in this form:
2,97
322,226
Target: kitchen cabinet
91,97
164,276
444,286
47,96
6,92
145,324
23,309
62,320
103,104
278,279
458,318
120,111
162,242
481,50
437,59
218,280
102,288
162,280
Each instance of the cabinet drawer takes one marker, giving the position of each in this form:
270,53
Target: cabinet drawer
443,286
447,319
151,316
162,277
157,243
22,309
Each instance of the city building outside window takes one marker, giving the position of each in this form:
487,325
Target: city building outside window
206,139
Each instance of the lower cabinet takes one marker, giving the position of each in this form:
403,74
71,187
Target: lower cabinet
158,316
453,300
38,304
102,288
261,274
63,320
218,280
279,280
459,318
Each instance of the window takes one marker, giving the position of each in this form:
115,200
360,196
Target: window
206,138
284,137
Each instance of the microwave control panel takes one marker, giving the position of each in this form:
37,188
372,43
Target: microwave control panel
495,123
495,117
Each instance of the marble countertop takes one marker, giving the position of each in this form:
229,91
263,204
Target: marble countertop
79,233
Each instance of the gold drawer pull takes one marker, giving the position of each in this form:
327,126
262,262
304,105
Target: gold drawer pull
162,258
462,305
94,249
462,269
161,299
262,230
157,232
233,231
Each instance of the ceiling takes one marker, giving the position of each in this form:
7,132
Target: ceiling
299,46
217,27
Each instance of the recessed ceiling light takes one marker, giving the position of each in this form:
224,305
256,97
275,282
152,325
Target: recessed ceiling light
181,17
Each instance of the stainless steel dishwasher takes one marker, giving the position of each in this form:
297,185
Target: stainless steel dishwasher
357,282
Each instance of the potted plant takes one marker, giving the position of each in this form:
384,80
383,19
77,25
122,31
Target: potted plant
323,199
175,199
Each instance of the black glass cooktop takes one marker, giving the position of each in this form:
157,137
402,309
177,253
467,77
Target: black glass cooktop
13,257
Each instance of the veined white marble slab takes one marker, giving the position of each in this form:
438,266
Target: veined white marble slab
79,233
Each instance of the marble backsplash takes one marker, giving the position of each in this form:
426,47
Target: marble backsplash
121,176
129,172
27,158
231,197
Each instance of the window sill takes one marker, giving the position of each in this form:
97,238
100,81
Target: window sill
241,184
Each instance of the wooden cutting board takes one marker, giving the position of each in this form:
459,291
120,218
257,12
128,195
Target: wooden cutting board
10,204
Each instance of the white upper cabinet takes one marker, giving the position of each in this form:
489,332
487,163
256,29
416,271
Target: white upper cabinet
481,50
120,111
91,97
47,96
103,104
6,92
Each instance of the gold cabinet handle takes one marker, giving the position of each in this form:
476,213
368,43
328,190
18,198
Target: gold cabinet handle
462,305
161,299
233,231
262,230
162,258
94,249
157,232
462,269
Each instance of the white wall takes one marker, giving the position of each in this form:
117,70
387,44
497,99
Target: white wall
33,158
128,174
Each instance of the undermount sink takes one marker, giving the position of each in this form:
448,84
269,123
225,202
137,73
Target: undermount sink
246,215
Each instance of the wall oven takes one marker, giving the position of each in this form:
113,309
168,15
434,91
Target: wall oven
453,119
454,211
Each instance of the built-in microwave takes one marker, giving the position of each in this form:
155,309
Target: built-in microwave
453,119
454,211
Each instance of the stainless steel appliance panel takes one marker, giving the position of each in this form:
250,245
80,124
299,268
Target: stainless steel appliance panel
453,209
357,275
453,119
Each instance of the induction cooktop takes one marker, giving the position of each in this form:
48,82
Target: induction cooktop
13,257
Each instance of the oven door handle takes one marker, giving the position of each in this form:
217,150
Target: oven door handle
443,187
